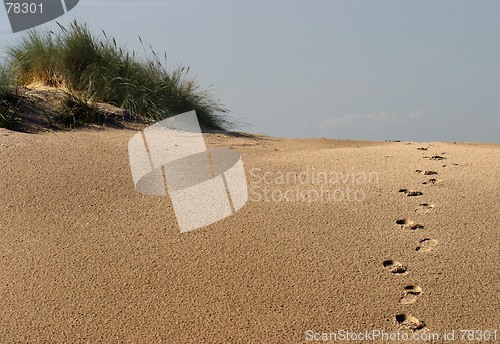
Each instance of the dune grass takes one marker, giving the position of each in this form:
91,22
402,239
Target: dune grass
7,83
9,100
76,111
95,68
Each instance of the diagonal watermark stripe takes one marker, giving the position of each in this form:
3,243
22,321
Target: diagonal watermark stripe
204,186
27,14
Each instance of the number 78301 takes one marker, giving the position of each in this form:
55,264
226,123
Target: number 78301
24,7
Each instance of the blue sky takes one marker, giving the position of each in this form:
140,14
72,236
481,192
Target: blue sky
421,70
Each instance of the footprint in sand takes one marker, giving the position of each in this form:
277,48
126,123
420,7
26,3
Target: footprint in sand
409,322
424,207
426,173
408,224
431,181
435,157
423,148
411,293
410,193
426,245
395,267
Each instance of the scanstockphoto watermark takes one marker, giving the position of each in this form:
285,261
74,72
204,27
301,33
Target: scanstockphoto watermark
452,336
310,185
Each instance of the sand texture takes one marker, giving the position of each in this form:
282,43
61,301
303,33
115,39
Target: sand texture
84,258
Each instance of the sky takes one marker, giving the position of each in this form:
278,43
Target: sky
421,70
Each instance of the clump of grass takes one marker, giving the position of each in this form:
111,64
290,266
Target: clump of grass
77,111
8,115
7,88
35,58
97,69
9,101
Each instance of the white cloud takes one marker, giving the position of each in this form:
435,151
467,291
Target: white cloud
418,113
346,119
381,117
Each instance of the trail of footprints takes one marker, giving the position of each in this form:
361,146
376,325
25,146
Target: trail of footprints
411,293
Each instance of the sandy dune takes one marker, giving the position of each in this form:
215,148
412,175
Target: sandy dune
84,258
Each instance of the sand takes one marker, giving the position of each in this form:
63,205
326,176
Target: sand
84,258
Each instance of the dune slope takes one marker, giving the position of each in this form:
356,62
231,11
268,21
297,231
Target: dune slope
85,258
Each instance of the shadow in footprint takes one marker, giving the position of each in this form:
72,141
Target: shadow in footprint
431,181
395,267
435,157
409,322
426,245
410,193
411,293
407,224
426,173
